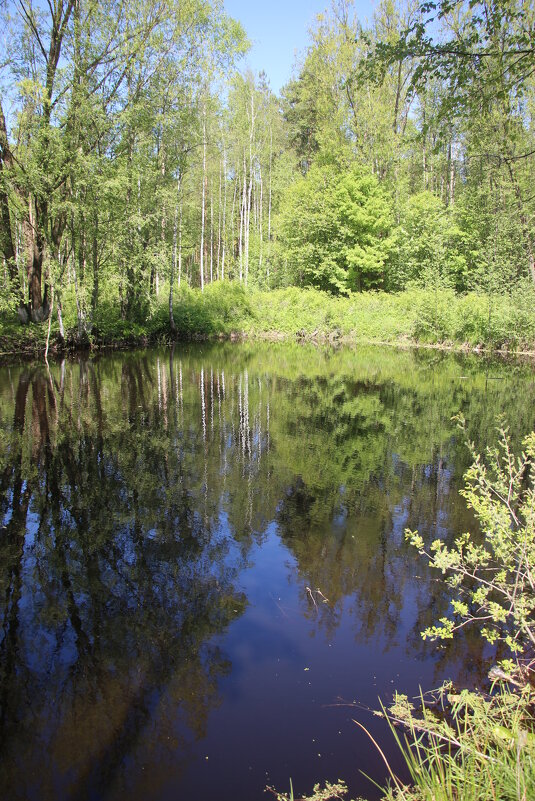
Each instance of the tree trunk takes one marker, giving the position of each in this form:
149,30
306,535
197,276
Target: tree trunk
6,235
451,175
203,197
173,261
38,221
233,217
248,208
94,295
38,308
242,219
261,232
219,226
224,232
180,243
60,318
211,234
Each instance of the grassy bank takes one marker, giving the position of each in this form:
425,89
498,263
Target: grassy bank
505,322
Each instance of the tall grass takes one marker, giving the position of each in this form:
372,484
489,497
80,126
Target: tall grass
468,747
422,316
225,308
484,749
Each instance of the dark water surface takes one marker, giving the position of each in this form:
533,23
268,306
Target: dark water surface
202,562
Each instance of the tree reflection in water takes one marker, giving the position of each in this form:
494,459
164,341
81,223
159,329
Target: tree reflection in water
112,584
134,489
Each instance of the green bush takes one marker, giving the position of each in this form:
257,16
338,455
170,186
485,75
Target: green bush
492,582
333,229
482,746
436,319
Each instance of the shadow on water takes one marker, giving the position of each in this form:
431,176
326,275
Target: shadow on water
202,559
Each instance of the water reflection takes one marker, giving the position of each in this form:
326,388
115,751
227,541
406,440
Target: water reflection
113,581
138,490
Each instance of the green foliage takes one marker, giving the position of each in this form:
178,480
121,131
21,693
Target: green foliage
436,320
423,251
223,308
8,301
492,581
333,229
488,51
227,307
466,745
329,792
493,320
428,316
489,239
301,116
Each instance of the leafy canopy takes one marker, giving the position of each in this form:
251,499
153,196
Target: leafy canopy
333,229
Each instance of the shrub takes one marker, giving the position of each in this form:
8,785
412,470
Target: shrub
493,582
481,746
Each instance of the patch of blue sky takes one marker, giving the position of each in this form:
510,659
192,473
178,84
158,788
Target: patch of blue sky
279,32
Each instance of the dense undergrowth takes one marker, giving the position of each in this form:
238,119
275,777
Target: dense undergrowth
500,322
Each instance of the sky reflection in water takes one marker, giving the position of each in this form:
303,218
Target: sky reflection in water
202,562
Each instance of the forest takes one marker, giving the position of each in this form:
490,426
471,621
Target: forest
153,187
138,159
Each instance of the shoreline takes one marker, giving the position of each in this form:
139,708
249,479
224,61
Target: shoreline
33,351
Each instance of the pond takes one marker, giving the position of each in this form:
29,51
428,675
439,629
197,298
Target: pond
203,573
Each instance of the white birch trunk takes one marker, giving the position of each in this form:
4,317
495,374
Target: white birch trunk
242,218
203,196
211,234
224,215
233,216
261,232
218,269
179,242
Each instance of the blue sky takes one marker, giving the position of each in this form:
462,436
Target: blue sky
278,30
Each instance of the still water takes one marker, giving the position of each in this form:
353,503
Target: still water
203,574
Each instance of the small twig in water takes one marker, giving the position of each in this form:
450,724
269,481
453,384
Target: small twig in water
312,596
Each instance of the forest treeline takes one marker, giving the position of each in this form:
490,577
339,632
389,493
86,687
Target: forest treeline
136,158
